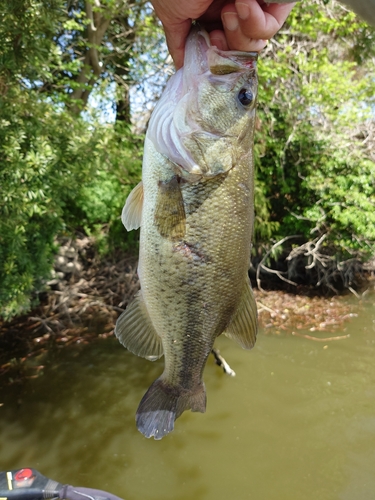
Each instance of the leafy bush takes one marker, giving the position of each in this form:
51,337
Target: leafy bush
61,172
57,174
315,163
99,206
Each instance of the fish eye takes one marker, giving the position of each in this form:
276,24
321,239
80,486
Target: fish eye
245,96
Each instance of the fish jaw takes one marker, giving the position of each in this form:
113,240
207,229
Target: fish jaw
188,126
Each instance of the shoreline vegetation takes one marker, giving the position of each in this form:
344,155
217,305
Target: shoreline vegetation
88,292
74,105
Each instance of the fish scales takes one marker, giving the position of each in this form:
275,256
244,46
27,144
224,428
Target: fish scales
195,209
188,299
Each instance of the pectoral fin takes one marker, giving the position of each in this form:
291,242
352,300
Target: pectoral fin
136,332
244,324
132,211
169,211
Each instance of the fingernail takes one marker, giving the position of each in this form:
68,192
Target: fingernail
243,10
231,21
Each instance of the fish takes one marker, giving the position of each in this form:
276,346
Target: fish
195,209
364,8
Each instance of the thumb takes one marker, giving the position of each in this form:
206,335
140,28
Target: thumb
176,34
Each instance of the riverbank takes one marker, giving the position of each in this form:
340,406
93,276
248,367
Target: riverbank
87,294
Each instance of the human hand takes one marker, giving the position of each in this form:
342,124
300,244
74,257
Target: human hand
244,25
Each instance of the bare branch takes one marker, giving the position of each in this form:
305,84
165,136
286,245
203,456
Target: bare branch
262,265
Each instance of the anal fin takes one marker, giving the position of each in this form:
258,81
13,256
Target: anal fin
244,324
135,331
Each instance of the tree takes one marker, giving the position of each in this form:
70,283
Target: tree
315,141
62,170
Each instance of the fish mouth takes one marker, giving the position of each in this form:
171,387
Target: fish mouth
201,56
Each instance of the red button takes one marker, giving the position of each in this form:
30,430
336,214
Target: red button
23,474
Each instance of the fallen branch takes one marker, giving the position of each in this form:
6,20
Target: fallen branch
314,265
265,308
318,339
267,269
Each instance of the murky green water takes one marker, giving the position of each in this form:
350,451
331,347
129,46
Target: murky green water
296,423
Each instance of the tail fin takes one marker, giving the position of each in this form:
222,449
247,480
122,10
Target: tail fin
163,403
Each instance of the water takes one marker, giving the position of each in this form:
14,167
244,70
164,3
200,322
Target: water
296,423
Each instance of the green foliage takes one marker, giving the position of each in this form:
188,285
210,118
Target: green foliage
27,28
118,170
314,161
63,171
57,175
346,202
45,158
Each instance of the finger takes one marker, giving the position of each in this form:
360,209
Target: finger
236,38
217,38
176,35
261,21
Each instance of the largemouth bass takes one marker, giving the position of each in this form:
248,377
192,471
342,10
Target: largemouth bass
195,209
